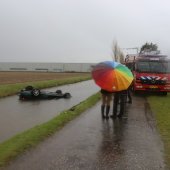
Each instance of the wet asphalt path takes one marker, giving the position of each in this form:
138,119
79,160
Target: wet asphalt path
17,116
89,143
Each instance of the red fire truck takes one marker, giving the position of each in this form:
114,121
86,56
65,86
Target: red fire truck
151,72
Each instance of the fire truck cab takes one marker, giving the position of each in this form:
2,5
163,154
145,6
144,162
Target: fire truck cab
151,72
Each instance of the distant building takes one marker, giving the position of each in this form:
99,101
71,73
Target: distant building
46,67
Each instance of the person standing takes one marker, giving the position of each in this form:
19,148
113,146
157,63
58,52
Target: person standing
129,97
119,97
106,99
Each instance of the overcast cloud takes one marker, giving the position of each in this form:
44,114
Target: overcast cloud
78,30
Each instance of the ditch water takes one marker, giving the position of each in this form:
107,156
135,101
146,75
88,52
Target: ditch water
17,116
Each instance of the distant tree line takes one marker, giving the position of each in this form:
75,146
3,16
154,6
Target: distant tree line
117,53
148,47
119,56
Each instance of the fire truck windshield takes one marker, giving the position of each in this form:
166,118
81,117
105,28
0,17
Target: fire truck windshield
152,66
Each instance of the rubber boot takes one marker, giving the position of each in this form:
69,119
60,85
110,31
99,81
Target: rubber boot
129,96
102,110
115,105
122,105
107,112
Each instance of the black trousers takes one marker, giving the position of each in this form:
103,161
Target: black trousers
129,96
119,97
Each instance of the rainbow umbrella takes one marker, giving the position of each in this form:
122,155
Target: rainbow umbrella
112,76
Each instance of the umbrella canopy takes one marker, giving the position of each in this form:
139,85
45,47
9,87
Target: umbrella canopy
112,76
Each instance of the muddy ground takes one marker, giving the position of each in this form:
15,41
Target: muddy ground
21,77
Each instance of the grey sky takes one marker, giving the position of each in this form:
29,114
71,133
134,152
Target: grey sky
78,30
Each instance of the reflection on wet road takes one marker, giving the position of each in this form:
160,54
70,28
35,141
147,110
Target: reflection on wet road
17,116
90,143
111,148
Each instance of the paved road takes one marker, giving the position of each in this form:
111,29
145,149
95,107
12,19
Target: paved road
17,116
89,143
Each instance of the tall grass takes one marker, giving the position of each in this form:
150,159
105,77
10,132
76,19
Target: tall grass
10,89
160,106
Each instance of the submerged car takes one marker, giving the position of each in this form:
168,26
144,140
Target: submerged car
29,93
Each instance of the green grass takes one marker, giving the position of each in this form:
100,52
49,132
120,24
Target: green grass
11,148
10,89
160,106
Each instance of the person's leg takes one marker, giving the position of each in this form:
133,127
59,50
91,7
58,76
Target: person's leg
123,96
129,96
109,97
103,105
115,105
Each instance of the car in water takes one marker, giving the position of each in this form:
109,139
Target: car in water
31,93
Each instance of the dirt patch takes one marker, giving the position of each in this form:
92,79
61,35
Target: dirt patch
22,77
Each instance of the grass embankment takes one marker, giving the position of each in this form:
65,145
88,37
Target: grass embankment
10,89
160,105
19,143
